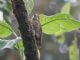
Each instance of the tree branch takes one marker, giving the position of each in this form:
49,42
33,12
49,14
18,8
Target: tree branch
26,29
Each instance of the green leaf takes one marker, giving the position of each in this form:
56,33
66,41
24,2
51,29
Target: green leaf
66,8
29,5
19,45
73,52
58,23
5,29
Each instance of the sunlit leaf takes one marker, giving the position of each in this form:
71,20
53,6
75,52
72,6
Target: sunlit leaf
5,30
58,23
19,44
66,8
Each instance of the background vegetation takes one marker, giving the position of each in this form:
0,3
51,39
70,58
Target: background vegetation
60,26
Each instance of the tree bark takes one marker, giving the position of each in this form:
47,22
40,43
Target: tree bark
26,30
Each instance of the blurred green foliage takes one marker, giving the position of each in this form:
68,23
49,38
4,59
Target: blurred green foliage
55,24
29,5
73,51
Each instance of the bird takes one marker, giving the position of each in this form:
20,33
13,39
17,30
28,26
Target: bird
38,8
37,30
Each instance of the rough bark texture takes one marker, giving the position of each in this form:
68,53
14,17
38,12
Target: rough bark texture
26,30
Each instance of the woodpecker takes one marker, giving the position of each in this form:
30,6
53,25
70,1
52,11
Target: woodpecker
37,29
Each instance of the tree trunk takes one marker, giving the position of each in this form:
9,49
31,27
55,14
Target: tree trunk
26,30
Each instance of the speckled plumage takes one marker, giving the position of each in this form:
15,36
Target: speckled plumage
37,29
